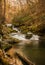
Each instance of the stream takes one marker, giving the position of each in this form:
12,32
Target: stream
33,48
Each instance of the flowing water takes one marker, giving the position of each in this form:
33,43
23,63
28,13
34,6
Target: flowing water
35,50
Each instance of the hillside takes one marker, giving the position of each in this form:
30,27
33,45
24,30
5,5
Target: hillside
28,15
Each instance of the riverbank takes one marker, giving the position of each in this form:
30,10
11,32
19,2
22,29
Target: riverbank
15,58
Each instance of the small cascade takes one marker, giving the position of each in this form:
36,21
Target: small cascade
35,37
16,30
21,36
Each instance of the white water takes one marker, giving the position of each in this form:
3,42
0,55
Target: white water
18,36
16,29
34,37
21,36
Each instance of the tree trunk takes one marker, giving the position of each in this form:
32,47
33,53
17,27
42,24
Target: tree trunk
0,16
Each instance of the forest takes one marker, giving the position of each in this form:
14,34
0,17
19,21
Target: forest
22,32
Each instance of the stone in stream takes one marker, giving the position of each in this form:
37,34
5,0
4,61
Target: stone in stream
28,36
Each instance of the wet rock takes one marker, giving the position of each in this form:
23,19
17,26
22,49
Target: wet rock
28,36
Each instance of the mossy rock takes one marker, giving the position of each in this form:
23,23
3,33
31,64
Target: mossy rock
13,41
14,31
4,45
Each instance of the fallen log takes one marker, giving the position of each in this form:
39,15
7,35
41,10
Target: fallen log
24,59
18,59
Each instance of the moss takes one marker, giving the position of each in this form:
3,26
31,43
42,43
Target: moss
4,45
14,31
13,41
24,29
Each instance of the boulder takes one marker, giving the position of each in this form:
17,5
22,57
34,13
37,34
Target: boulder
28,36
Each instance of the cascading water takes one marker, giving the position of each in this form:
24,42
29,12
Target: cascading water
21,36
